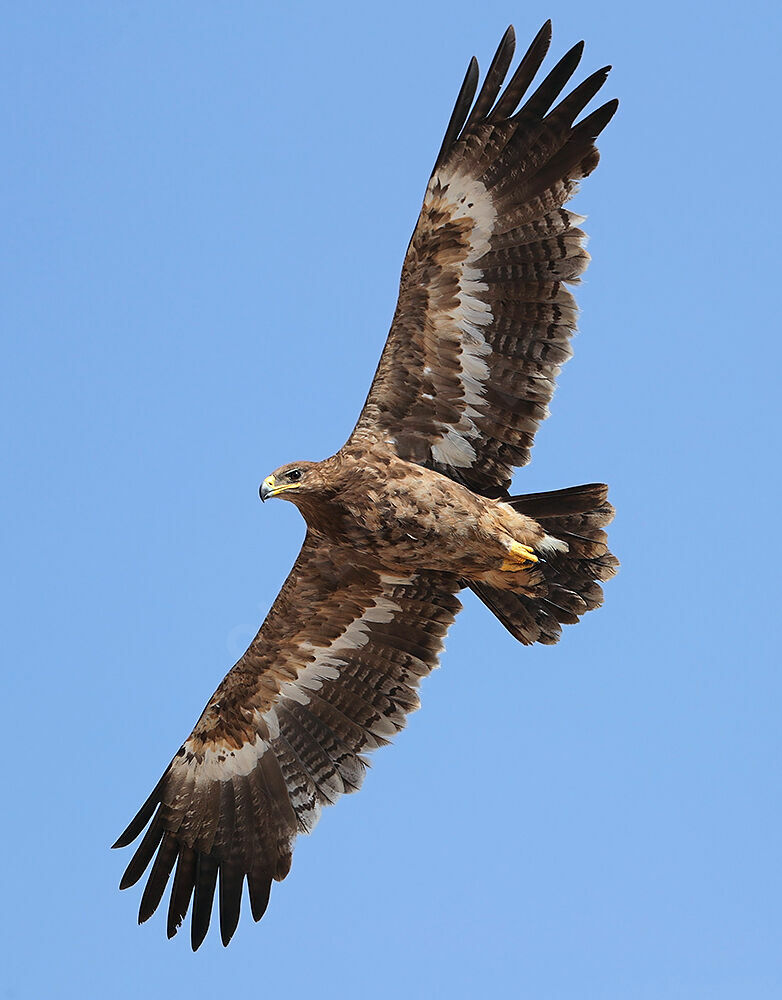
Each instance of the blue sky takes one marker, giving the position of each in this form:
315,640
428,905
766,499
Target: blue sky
206,208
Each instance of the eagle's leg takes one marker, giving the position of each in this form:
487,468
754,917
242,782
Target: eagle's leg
518,557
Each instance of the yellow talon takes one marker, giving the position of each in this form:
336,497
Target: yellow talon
519,554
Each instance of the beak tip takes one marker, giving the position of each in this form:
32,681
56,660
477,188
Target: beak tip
267,488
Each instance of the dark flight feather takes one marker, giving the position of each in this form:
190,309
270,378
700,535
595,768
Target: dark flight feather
524,75
494,77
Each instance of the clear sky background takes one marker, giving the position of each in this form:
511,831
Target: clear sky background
205,208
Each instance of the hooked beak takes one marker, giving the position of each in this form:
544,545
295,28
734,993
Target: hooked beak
267,488
271,488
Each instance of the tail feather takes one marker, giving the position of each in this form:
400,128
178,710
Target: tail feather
577,500
570,583
526,619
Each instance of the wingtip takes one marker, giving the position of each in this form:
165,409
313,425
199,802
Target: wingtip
127,836
197,939
609,109
226,935
595,122
507,44
471,78
134,871
544,35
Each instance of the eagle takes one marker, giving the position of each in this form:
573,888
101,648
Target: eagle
411,510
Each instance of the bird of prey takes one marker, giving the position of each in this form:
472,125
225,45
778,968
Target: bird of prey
411,510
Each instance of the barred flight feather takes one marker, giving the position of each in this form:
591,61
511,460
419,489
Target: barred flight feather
492,240
262,761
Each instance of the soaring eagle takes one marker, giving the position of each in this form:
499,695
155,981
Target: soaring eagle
413,508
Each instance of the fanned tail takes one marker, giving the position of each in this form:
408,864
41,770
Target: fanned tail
571,579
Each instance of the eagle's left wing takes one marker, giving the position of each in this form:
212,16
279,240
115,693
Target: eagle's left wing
484,317
331,675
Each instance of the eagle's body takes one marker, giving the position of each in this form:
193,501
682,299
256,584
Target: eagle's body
402,517
414,508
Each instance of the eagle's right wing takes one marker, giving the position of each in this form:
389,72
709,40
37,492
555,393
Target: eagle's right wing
484,317
330,676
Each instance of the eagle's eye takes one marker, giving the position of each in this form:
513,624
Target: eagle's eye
294,475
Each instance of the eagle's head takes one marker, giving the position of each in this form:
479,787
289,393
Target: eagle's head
293,481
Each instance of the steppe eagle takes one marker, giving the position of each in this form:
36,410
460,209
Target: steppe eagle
412,509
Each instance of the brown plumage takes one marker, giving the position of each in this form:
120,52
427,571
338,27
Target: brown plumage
412,509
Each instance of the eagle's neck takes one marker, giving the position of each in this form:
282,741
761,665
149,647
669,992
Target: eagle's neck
322,514
330,510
